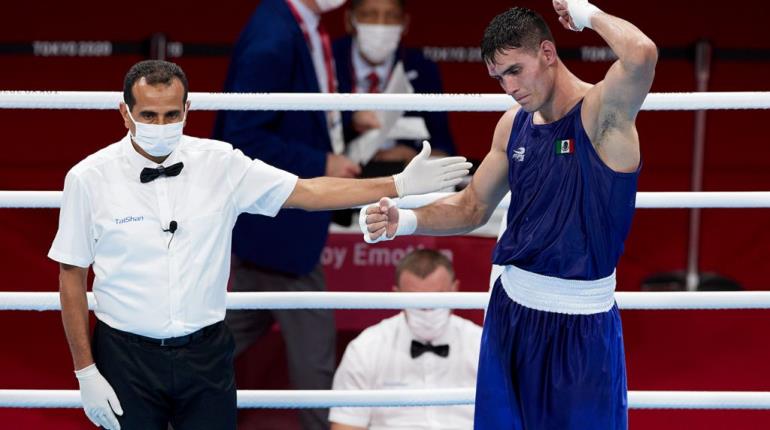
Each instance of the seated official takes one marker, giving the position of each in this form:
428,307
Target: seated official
416,349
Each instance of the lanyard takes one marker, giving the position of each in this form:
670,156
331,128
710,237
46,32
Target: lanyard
326,46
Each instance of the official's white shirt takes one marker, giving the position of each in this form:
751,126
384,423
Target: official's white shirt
379,359
148,281
363,69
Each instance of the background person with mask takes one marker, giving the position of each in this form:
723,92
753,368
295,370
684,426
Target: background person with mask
365,60
285,49
416,349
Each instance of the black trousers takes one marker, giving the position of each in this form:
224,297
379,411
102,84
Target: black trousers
310,334
191,386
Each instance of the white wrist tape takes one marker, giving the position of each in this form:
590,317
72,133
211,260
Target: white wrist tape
407,224
581,12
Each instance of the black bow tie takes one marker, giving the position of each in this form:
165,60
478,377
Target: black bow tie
149,174
419,349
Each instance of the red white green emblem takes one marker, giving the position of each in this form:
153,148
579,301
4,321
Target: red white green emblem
565,146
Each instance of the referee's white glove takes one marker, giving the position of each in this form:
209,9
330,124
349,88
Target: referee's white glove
98,398
423,176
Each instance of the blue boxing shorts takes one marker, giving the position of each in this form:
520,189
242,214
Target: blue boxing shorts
541,369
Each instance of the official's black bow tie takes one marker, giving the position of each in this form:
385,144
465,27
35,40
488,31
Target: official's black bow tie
419,349
149,174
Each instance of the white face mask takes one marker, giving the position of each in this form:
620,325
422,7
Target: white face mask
377,42
327,5
157,140
427,324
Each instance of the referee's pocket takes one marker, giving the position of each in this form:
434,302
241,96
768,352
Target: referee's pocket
202,235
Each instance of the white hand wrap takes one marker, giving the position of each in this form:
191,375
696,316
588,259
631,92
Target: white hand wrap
98,398
423,176
407,224
581,12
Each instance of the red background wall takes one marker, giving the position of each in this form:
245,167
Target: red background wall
702,350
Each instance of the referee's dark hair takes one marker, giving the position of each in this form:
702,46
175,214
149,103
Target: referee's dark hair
154,72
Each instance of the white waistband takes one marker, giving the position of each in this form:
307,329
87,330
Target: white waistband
565,296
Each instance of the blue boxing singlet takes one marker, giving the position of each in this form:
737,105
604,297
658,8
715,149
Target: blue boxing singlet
569,213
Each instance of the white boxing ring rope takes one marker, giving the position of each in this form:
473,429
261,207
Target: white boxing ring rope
334,300
344,102
644,200
627,300
300,399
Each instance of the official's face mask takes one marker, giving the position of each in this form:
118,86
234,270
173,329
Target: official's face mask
427,324
377,42
157,140
327,5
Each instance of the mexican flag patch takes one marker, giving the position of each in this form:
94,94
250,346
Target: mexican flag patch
565,146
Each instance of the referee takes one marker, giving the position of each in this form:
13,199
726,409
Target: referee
153,215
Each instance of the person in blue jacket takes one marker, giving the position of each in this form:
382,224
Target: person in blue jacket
284,49
365,60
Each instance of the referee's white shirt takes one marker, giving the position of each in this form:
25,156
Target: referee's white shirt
148,281
379,359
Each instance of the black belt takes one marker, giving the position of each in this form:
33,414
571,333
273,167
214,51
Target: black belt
169,341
